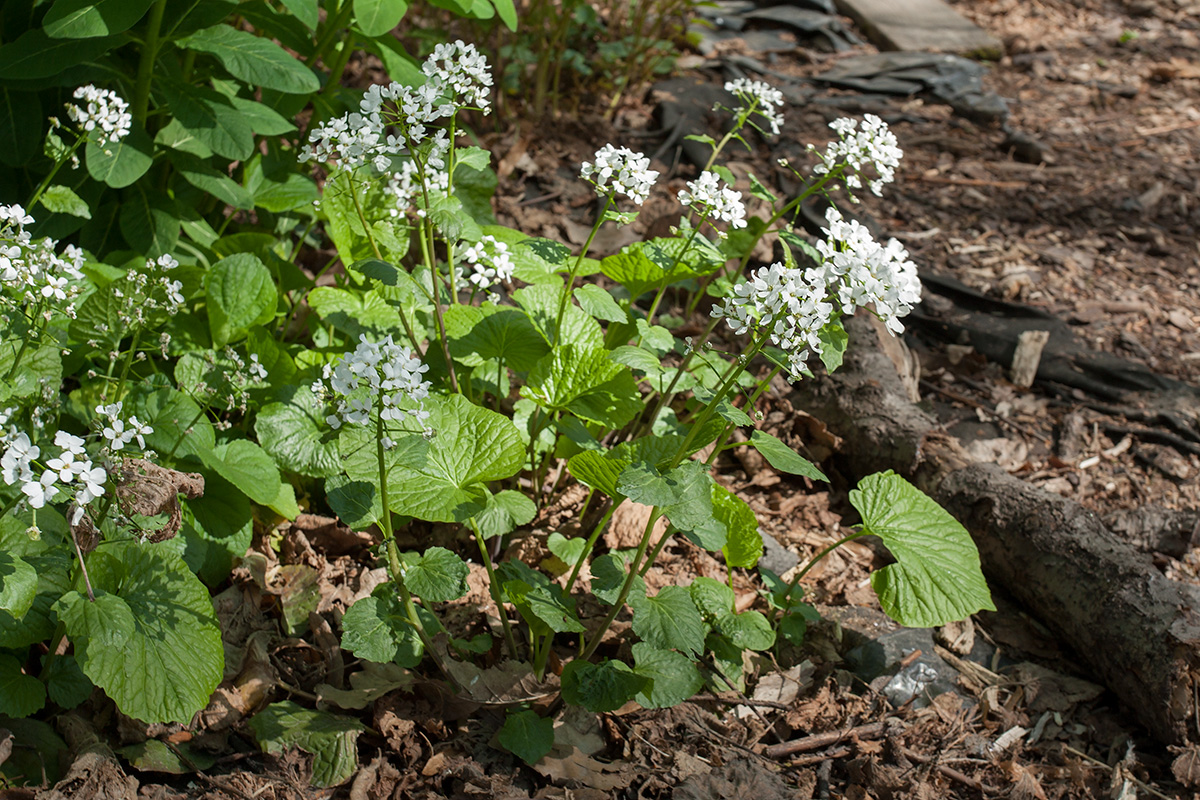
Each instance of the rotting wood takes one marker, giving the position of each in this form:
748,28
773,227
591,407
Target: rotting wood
1138,631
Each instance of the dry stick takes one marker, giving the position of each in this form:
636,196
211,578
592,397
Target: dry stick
949,772
818,740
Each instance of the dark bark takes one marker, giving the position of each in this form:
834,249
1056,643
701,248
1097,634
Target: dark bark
1138,631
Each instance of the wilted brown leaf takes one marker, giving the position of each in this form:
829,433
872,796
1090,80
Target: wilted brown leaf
148,489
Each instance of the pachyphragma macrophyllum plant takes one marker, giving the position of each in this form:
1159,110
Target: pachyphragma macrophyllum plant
478,419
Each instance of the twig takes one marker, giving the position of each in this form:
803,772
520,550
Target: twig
949,772
1141,784
817,758
729,701
961,398
818,740
1149,434
219,785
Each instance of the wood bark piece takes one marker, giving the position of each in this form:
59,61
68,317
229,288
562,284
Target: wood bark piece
1138,631
920,25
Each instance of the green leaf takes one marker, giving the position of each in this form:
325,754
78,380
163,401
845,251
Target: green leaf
937,578
62,200
473,446
212,118
683,494
713,598
584,381
655,337
743,543
760,191
120,164
18,584
599,470
307,11
331,739
19,140
377,628
834,340
147,222
37,624
253,59
66,684
85,19
377,17
669,620
154,756
600,304
173,661
507,11
355,314
106,622
633,270
179,424
207,179
35,55
504,335
437,575
567,550
673,677
609,575
541,303
247,466
539,602
20,694
240,294
600,688
527,736
506,511
784,458
749,630
266,121
356,502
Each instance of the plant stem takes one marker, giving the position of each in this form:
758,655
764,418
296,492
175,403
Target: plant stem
494,588
141,92
658,548
634,566
427,255
729,429
711,406
796,579
587,548
133,346
566,297
56,640
45,184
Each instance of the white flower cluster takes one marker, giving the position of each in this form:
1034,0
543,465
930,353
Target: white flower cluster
628,173
860,271
789,304
391,373
858,147
149,289
759,97
459,78
716,201
119,433
102,110
464,71
33,271
490,262
71,467
406,189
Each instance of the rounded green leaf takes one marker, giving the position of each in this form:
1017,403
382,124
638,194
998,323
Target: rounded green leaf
437,575
377,17
253,59
173,660
247,466
18,584
600,688
85,19
749,630
936,578
377,628
20,694
669,620
240,294
527,736
106,621
329,737
673,677
148,222
292,431
212,118
120,164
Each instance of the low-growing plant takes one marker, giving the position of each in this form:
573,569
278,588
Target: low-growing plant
455,372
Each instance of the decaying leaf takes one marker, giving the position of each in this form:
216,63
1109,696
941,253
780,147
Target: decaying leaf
1186,767
564,764
506,684
148,490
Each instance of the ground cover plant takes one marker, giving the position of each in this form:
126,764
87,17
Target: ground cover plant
165,388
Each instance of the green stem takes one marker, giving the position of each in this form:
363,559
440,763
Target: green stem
658,548
711,406
799,575
133,346
634,566
427,255
60,633
731,427
141,92
329,34
566,297
587,548
45,184
494,588
668,394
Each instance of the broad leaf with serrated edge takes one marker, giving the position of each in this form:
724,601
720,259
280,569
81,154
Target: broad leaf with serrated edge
673,677
505,512
669,620
584,381
600,688
437,575
749,630
18,584
330,738
292,431
937,578
784,458
377,628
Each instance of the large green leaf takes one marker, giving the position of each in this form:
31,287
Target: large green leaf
506,511
937,578
471,447
18,584
356,313
253,59
584,381
504,335
673,677
247,466
330,738
203,176
377,628
541,303
240,294
120,164
173,659
307,11
377,17
212,118
36,55
749,630
437,575
148,221
180,427
61,199
743,543
19,139
85,19
20,694
600,688
669,620
683,494
292,431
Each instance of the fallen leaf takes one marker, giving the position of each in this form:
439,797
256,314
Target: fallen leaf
563,764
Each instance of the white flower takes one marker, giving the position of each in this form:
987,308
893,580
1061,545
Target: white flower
257,370
390,374
716,202
115,433
872,145
760,97
464,71
860,272
103,110
139,431
69,443
93,479
40,491
491,262
628,173
407,189
15,463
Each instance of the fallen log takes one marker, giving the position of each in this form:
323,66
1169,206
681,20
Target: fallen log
1137,630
